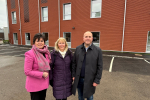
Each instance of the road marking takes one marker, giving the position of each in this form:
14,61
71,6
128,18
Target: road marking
147,61
122,56
110,69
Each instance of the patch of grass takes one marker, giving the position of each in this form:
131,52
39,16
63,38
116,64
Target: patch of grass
6,41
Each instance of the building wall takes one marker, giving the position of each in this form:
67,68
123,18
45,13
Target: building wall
137,25
6,33
2,35
110,25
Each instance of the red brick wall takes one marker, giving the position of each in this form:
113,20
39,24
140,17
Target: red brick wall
110,25
13,28
137,25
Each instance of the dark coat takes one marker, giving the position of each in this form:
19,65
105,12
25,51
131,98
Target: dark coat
93,68
61,74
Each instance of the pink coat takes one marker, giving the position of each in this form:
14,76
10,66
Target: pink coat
34,80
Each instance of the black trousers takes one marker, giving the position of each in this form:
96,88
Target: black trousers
40,95
61,99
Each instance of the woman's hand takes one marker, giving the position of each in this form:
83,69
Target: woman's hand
73,78
45,74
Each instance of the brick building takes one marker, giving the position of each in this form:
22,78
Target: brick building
117,25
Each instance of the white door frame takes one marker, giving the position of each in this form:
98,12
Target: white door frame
147,42
14,38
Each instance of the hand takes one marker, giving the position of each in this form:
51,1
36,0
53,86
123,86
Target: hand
94,84
45,74
73,78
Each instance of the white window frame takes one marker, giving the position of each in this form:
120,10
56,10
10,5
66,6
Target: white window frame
26,39
12,16
147,42
99,37
42,18
48,38
70,38
64,11
14,38
100,11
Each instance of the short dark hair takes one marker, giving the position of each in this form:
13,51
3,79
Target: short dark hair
38,36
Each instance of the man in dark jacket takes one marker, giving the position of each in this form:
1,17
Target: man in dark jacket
86,68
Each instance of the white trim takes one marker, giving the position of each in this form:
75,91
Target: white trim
64,11
25,39
147,42
48,37
70,38
42,13
124,25
14,39
12,17
91,11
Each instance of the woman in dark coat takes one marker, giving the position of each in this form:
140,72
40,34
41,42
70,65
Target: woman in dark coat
61,70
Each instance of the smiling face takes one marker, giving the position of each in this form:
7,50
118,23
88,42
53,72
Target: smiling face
87,38
61,45
39,43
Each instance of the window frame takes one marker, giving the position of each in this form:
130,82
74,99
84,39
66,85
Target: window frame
12,16
99,37
64,11
92,12
48,37
26,39
70,38
42,18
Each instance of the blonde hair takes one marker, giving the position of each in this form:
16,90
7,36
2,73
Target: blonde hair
56,44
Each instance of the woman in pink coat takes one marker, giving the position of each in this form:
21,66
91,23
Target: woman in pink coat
36,68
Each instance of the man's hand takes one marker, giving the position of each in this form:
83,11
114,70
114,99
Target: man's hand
94,84
73,78
45,74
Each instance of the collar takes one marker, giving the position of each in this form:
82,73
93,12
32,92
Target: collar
90,47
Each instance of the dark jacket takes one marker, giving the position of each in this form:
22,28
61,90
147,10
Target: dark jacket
93,68
61,74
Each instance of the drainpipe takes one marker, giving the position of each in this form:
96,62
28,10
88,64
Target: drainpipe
59,15
39,14
20,21
124,24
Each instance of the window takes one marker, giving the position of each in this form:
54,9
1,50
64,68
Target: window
27,38
46,38
96,6
67,36
44,14
148,42
96,38
67,11
15,37
14,18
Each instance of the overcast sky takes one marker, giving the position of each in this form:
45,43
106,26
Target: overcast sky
3,14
